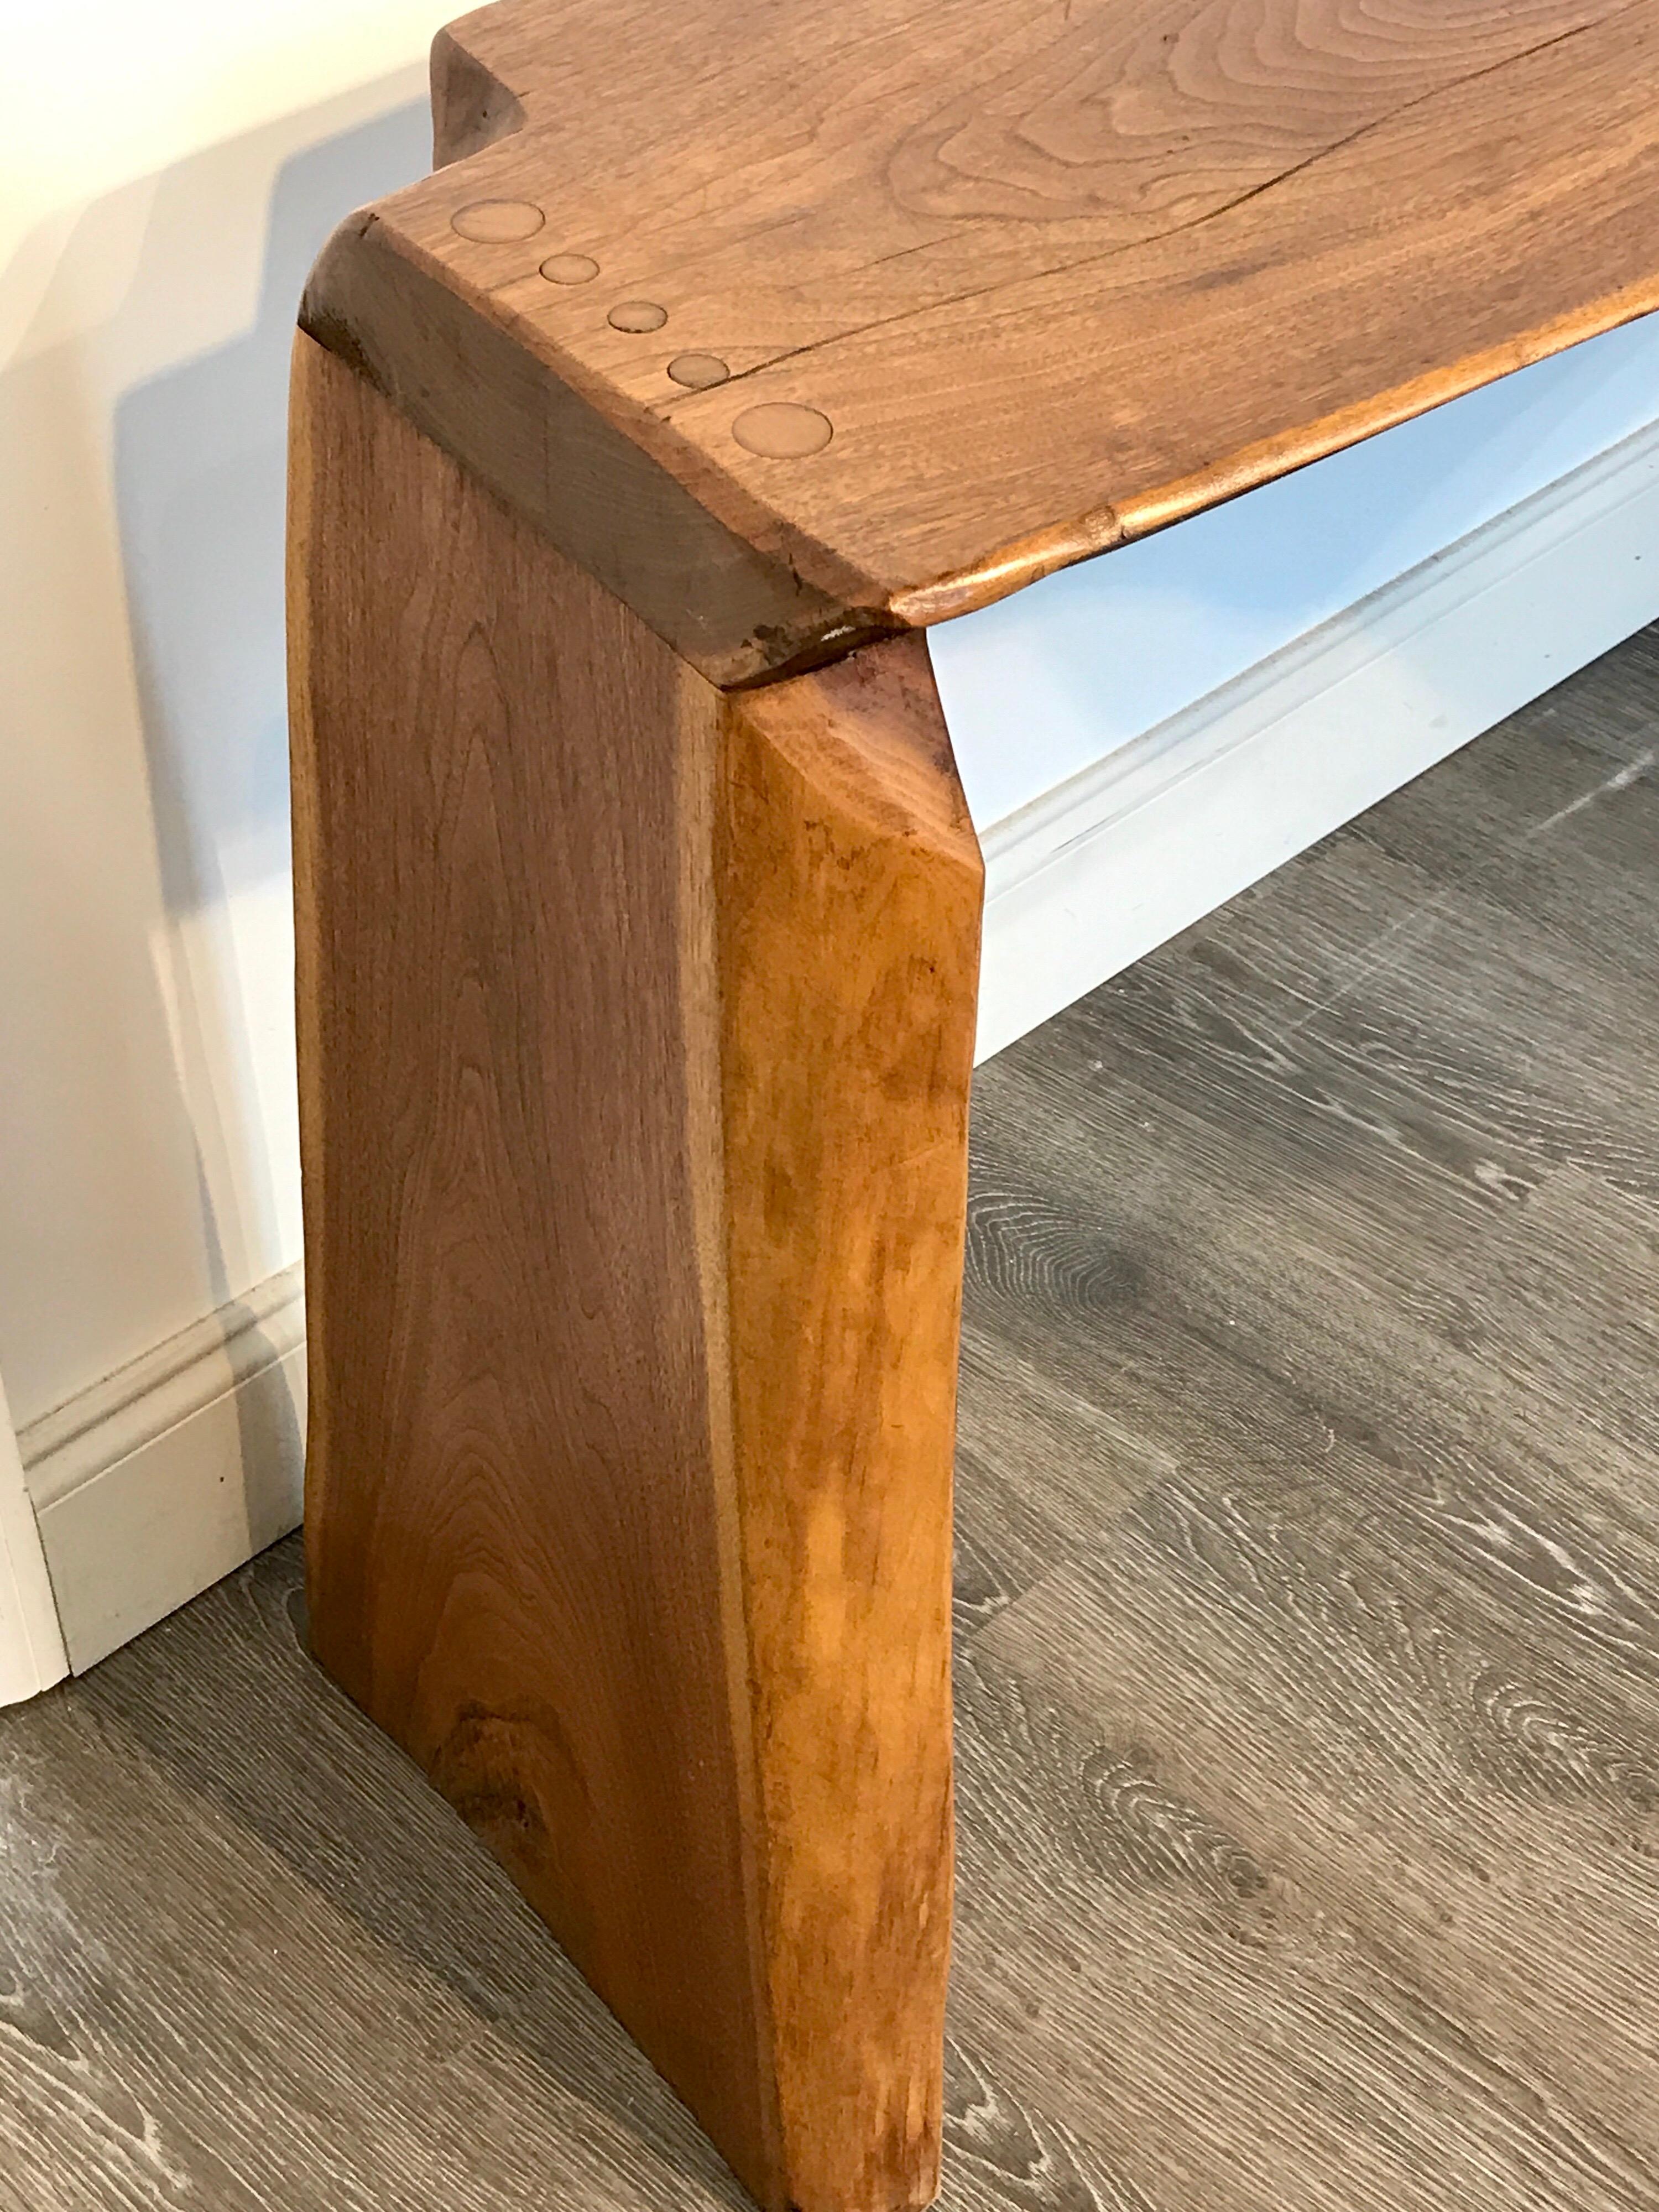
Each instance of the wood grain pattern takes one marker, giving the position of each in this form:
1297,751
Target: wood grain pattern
972,239
273,1967
1325,1771
850,916
513,1475
1308,1739
635,1032
253,1979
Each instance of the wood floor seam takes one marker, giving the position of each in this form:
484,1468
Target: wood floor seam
1307,1636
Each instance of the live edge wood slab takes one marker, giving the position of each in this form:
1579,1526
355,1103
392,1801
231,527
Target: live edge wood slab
638,904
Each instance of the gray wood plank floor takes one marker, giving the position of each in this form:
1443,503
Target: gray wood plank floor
1309,1616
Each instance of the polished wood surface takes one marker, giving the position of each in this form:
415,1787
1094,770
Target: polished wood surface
1307,1655
849,915
515,1485
994,287
639,906
635,1031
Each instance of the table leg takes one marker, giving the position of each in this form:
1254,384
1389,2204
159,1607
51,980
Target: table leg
636,1025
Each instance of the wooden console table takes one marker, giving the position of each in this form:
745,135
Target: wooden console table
638,904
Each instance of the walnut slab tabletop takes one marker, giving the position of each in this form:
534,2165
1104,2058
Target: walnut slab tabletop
638,904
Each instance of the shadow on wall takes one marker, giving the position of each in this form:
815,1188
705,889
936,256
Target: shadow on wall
200,461
199,471
147,1099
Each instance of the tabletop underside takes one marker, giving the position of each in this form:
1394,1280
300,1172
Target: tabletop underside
801,323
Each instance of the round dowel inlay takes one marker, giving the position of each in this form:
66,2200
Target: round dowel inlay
637,315
698,371
570,269
781,431
497,222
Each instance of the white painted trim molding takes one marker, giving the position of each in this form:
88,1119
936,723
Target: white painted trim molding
1114,862
32,1654
173,1471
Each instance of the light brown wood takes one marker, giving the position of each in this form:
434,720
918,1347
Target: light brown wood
1308,1658
639,904
977,239
515,1478
635,1028
849,904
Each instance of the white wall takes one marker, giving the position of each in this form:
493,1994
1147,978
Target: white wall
163,187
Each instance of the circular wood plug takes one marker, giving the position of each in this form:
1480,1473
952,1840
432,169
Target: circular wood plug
782,431
496,222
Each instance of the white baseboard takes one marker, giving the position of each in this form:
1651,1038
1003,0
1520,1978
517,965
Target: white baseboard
32,1654
164,1477
172,1472
1097,873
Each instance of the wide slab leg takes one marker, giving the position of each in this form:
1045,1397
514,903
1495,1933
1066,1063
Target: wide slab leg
636,1027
